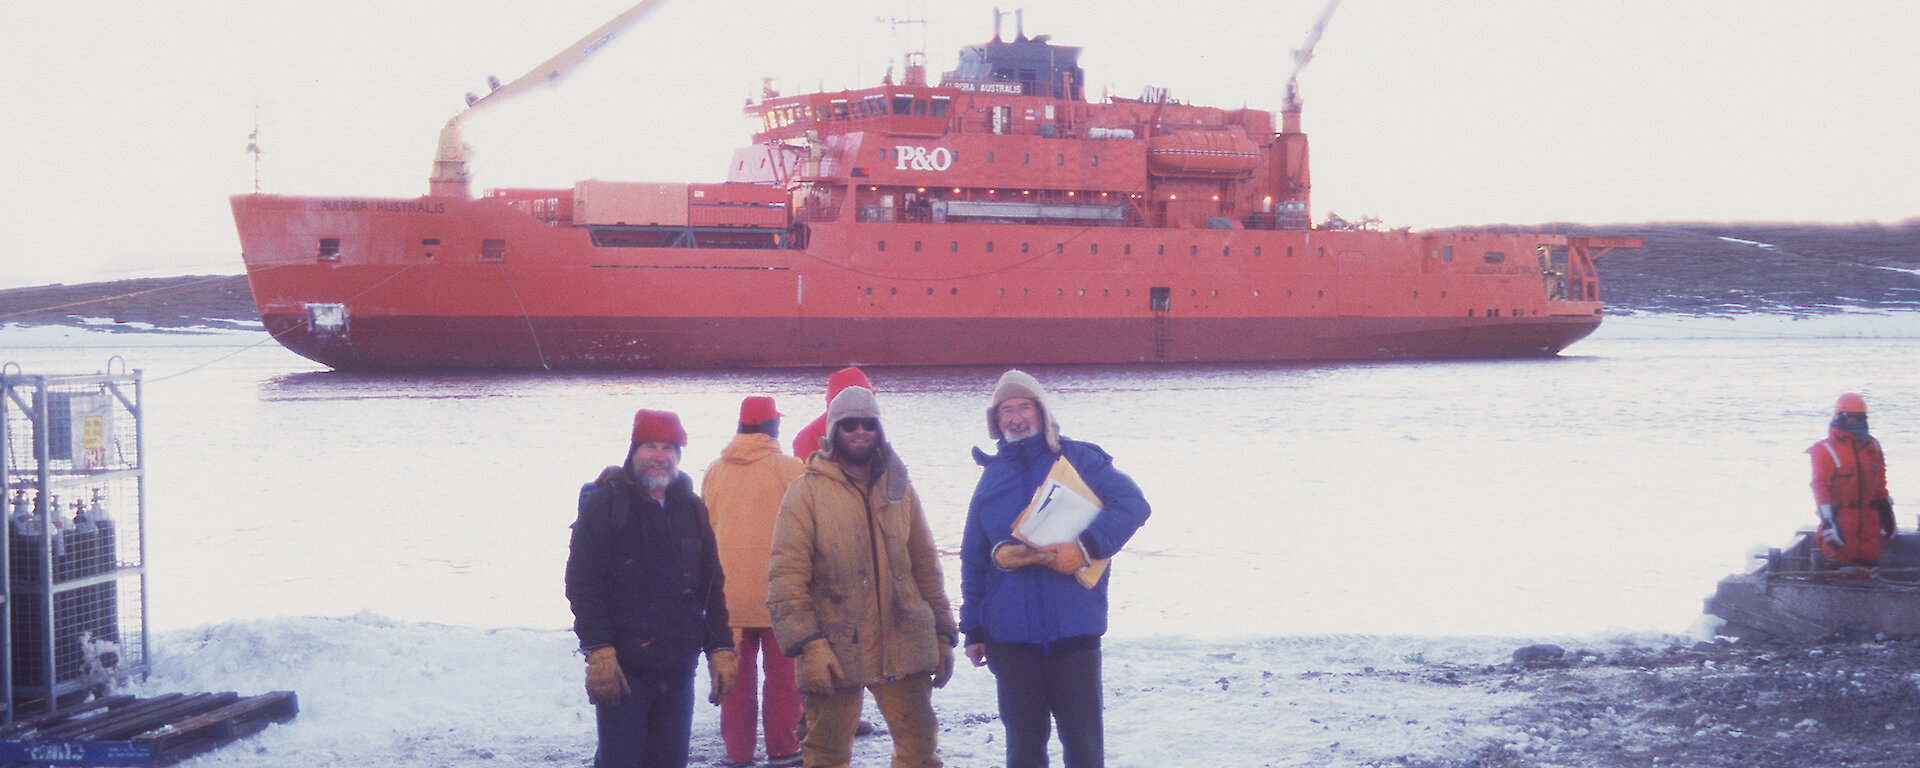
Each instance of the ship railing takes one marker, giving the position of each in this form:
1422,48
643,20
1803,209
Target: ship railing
816,213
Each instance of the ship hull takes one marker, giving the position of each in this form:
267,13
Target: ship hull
455,283
400,342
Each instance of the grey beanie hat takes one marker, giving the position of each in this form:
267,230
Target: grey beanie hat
1017,383
851,403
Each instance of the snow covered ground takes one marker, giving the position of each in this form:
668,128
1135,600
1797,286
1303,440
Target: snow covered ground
376,692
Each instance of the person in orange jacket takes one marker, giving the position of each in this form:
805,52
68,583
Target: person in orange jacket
808,439
1850,488
743,489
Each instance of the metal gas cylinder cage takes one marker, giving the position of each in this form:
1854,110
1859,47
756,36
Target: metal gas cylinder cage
75,585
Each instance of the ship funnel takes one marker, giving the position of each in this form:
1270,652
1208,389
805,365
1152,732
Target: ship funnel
996,23
1019,24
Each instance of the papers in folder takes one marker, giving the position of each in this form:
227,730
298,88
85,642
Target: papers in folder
1061,508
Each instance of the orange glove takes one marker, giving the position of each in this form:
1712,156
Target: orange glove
944,671
1068,558
723,666
818,667
606,683
1011,555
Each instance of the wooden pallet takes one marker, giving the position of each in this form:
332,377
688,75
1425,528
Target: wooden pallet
125,730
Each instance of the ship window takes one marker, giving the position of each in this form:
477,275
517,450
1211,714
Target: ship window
493,250
1023,247
1256,293
880,246
839,110
1059,291
1193,291
1160,250
1094,160
940,107
1226,250
916,246
953,291
1216,291
1083,291
883,153
1059,159
1003,291
893,291
989,157
1193,250
1160,300
429,243
1289,251
1103,291
1469,313
953,247
1126,250
989,246
902,105
1093,248
1025,157
929,291
1494,257
1323,252
329,249
1320,294
1059,247
920,107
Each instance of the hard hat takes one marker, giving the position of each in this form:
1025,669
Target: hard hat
1850,403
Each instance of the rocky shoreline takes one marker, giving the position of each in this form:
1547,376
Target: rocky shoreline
1710,705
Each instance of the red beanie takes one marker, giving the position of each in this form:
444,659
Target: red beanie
843,378
757,410
658,427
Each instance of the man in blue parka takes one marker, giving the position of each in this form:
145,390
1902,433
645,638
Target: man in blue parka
1025,614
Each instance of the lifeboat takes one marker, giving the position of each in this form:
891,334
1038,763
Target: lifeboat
1202,152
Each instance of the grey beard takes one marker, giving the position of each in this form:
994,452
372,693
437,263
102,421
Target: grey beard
655,483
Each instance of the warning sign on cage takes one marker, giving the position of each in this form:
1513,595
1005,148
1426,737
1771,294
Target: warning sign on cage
92,423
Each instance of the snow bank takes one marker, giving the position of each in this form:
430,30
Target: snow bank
376,692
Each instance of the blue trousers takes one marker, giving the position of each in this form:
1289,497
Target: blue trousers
650,728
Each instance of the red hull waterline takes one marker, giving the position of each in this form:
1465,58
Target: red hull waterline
515,342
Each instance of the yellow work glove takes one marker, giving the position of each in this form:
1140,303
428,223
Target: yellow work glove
606,683
1068,558
723,668
818,667
944,671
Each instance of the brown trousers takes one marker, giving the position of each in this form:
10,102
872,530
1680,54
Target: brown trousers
907,706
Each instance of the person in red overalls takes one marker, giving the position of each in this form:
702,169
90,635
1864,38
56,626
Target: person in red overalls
1850,487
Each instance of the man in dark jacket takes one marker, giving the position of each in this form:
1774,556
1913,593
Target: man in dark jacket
1027,612
643,576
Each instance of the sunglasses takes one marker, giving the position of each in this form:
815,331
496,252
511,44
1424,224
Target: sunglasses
868,424
1853,417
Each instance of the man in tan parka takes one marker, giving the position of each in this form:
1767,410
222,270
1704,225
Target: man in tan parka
851,628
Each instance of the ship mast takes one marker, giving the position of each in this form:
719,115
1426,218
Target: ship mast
450,159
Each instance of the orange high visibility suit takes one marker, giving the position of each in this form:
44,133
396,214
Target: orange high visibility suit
1851,474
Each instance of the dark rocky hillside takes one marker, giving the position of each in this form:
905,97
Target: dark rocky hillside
1684,268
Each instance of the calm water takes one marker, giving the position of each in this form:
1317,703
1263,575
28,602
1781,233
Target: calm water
1601,491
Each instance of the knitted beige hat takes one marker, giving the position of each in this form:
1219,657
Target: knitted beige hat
1018,383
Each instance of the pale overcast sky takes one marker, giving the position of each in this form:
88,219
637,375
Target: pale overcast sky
123,125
